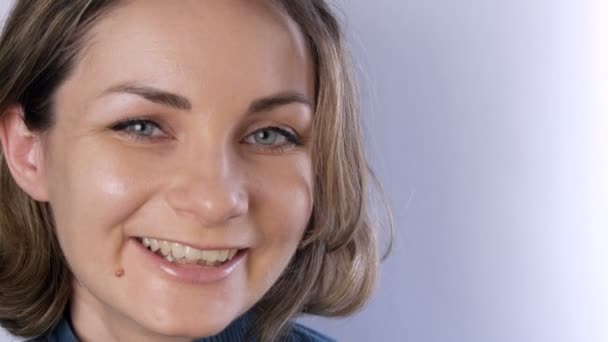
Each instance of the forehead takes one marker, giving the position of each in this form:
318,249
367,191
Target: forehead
206,50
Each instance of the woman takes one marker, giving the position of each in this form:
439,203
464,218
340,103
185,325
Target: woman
179,170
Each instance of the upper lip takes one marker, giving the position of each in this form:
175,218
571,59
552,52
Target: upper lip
194,245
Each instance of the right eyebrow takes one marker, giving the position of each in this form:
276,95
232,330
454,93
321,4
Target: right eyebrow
153,95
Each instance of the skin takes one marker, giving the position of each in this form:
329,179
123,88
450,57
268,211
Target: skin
201,177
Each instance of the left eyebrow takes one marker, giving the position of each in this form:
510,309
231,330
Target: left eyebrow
268,103
180,102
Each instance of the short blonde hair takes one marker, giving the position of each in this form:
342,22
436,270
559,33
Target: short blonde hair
335,267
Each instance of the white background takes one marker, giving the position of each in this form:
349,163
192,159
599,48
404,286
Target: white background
487,121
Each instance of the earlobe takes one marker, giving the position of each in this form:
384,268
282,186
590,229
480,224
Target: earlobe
22,151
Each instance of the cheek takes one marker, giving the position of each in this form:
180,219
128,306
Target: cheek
91,195
285,193
284,200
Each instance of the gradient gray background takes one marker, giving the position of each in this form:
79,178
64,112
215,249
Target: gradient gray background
487,121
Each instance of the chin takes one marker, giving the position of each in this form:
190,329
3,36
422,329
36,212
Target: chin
182,317
181,326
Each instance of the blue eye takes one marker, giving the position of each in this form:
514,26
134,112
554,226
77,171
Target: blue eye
266,137
139,128
274,138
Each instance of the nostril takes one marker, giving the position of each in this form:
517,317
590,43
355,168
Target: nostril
210,203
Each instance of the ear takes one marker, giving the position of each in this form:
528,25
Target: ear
22,151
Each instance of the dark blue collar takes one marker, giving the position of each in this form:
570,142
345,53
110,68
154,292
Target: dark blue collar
236,331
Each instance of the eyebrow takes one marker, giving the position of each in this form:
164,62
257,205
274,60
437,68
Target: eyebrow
180,102
153,95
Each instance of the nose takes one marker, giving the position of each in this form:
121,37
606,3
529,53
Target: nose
211,189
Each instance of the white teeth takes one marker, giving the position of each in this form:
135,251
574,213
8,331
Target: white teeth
209,256
231,254
223,255
176,252
192,254
165,248
154,245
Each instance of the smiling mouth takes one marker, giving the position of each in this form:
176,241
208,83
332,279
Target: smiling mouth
180,254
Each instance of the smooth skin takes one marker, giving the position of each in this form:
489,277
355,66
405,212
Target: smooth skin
208,169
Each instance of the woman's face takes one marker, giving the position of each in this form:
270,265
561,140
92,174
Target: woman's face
215,161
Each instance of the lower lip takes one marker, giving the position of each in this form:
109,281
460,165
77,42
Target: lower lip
191,273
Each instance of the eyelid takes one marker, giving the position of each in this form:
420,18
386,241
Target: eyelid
287,133
122,126
291,136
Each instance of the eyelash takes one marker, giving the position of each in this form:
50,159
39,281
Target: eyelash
292,139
